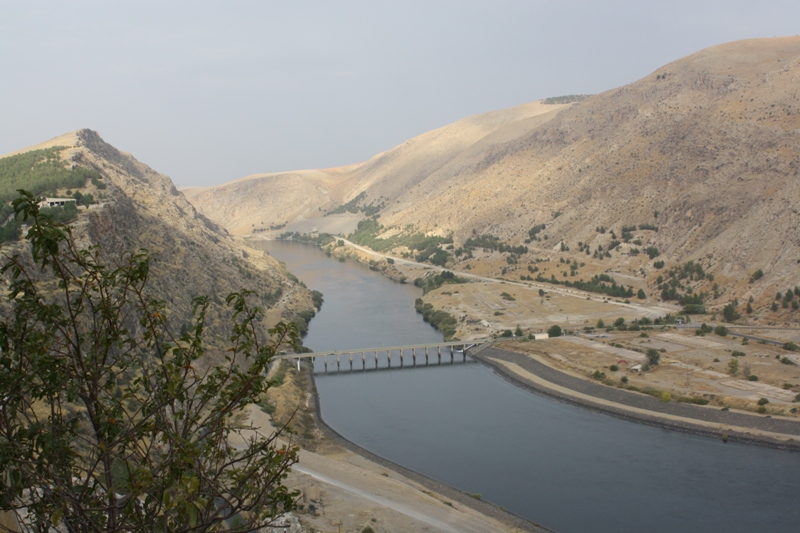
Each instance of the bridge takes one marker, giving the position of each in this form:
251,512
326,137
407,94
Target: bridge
383,356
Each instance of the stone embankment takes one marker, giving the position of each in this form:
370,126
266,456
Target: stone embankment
532,374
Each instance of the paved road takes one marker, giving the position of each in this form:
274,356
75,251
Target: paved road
695,325
654,311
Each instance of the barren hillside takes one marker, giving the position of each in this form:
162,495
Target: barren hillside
705,149
140,208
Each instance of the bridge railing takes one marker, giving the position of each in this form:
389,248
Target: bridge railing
383,355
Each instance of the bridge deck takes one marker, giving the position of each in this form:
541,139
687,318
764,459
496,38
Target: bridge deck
385,349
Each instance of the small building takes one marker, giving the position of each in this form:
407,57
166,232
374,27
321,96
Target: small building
636,368
56,202
540,336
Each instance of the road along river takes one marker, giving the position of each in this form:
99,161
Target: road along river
564,467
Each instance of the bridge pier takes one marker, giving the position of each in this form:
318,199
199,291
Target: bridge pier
376,359
452,350
464,354
414,356
439,354
389,359
401,359
325,361
426,356
338,362
363,362
351,361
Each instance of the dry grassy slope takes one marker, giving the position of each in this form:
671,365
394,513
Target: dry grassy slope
194,255
265,200
710,142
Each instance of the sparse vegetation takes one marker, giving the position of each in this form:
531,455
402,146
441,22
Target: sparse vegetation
566,99
601,283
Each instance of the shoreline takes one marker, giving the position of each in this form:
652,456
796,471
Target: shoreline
641,408
482,506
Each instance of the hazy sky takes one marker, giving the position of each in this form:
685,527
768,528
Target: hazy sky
207,92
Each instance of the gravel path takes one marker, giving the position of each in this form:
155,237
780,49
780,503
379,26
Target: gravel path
694,419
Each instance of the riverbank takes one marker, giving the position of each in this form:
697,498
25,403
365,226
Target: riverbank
532,373
344,485
488,509
541,458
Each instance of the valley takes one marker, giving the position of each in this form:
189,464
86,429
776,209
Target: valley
640,243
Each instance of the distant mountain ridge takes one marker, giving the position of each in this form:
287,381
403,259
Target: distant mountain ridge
706,148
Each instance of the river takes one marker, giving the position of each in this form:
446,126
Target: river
564,467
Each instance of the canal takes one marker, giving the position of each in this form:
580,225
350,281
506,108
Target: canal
564,467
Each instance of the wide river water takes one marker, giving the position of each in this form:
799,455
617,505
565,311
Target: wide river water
564,467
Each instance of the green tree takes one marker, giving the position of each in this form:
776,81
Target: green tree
108,422
653,356
641,295
518,331
733,366
554,331
730,313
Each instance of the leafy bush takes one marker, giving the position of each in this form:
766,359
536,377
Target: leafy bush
729,313
134,433
490,242
437,280
554,331
598,284
653,356
440,320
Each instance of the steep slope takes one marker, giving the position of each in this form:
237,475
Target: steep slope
705,149
273,200
141,208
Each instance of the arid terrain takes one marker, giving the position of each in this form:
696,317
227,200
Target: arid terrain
697,161
140,208
670,200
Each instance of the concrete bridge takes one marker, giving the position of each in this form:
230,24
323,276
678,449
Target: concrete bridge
382,357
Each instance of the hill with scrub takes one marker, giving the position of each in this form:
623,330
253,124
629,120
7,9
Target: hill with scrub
684,184
123,205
